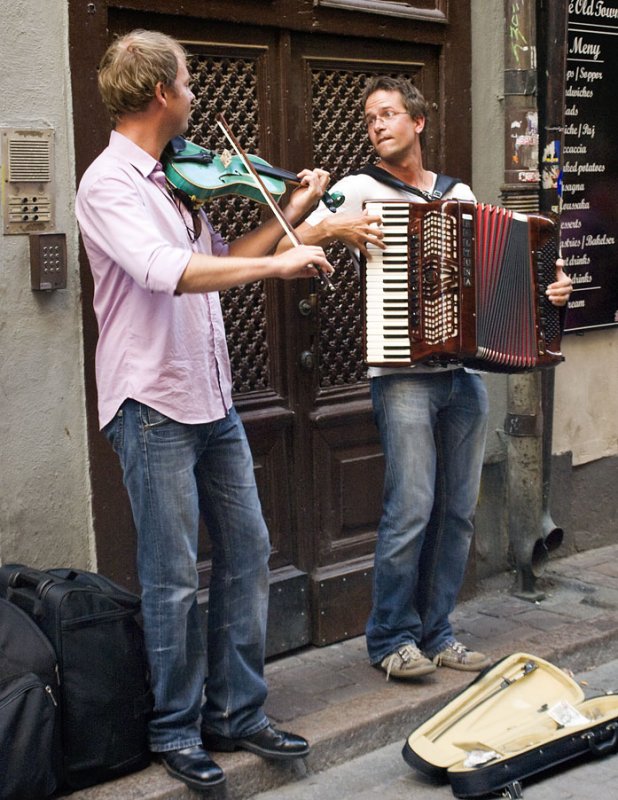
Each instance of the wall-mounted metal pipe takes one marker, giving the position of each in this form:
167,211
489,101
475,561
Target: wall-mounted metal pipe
528,424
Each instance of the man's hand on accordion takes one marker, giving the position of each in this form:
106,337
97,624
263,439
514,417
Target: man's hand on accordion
559,292
354,230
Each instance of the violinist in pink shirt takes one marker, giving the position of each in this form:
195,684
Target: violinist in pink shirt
165,405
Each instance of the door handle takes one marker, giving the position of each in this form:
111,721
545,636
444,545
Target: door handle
307,360
306,306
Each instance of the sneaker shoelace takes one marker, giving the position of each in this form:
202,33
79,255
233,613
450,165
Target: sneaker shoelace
405,653
458,649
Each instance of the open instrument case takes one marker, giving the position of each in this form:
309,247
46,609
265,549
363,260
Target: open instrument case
519,717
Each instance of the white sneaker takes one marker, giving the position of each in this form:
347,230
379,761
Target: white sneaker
457,656
406,662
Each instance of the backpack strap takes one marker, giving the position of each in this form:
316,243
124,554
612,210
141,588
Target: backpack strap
443,182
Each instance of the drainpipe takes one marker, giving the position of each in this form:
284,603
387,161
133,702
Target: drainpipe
532,533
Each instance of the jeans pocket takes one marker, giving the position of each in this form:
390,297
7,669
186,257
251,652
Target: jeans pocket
151,418
161,429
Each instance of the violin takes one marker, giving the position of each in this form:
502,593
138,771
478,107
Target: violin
202,174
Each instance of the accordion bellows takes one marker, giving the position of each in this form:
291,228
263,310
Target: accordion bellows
461,283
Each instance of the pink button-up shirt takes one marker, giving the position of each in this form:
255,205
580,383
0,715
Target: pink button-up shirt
165,350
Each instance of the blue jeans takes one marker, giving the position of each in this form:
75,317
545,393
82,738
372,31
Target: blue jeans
174,473
432,427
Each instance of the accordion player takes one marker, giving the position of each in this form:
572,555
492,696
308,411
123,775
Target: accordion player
460,282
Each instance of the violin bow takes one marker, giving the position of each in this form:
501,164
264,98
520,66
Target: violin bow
324,279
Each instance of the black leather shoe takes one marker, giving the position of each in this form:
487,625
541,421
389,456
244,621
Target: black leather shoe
268,743
193,766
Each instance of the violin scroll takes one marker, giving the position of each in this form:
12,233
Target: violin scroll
333,200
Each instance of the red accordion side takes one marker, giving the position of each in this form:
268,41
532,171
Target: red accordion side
461,282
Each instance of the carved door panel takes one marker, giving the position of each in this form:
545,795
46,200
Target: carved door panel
299,380
339,433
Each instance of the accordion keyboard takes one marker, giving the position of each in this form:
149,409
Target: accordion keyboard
387,310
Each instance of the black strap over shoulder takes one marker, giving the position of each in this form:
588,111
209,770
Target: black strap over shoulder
443,182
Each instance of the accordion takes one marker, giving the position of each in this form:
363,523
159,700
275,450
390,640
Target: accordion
460,283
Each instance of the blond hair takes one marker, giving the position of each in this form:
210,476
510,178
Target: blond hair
131,68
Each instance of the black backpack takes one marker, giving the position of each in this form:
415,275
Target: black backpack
104,700
30,750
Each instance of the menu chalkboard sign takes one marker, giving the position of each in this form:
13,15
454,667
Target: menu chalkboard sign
589,220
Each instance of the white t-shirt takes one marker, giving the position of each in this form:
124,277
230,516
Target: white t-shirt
357,189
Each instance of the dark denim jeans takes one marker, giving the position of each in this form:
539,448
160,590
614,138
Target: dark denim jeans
173,473
432,427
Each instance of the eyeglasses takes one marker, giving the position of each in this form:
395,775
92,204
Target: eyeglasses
385,116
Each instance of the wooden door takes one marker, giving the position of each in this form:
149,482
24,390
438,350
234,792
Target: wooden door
291,93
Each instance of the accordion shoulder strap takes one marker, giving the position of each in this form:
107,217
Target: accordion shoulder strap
443,182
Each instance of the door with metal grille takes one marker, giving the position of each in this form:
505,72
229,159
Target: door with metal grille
293,97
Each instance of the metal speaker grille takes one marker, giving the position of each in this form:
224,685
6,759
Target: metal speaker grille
340,146
29,160
229,86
